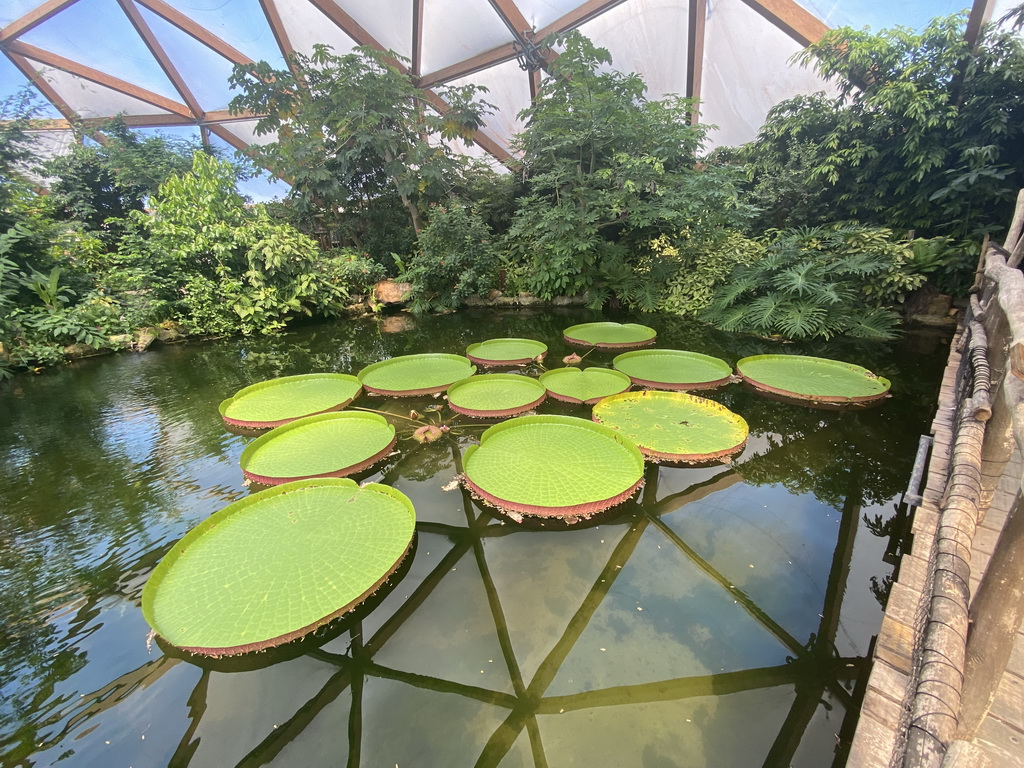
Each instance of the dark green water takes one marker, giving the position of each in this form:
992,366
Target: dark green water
721,619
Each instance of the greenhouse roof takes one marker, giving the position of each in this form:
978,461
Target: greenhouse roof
165,63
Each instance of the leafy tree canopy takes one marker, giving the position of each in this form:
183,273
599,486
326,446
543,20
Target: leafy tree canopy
926,134
354,128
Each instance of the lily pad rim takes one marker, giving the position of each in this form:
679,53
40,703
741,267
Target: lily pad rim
275,433
804,397
677,386
283,381
174,554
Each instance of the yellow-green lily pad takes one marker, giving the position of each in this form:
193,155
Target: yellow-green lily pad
674,426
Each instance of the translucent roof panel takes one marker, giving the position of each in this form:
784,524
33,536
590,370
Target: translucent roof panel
632,32
389,22
12,80
240,23
245,131
90,99
746,71
881,15
205,71
508,89
455,30
306,26
15,9
540,13
74,32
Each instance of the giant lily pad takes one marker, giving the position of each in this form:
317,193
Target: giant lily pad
610,335
674,426
278,564
502,352
586,385
415,374
328,445
553,466
673,369
495,395
815,379
278,401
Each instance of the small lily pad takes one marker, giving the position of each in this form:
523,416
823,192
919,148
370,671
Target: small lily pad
673,369
610,335
509,351
584,385
411,375
496,395
279,401
278,564
553,466
815,379
327,445
674,426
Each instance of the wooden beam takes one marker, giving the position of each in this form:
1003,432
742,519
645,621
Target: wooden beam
135,17
534,85
196,31
791,18
513,17
284,44
481,138
347,24
33,18
95,76
981,12
228,136
417,38
498,55
695,54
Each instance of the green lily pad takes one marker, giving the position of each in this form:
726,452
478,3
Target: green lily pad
410,375
499,352
584,385
816,379
278,564
496,395
327,445
674,426
610,335
673,369
553,466
278,401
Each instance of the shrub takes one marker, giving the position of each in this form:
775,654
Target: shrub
700,270
819,283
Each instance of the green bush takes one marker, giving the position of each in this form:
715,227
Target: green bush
699,271
819,283
456,258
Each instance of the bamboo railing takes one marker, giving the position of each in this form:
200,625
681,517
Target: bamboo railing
963,646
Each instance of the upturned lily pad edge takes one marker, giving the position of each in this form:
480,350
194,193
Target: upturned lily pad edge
157,576
610,344
729,378
492,363
259,442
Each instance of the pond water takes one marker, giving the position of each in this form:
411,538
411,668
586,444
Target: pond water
720,619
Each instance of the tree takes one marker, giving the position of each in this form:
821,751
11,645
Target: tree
926,134
608,172
354,128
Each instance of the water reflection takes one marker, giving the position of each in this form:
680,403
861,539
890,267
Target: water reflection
725,600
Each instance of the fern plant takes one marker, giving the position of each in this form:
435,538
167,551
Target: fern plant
819,282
